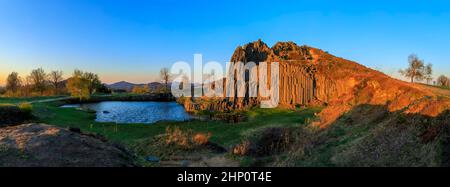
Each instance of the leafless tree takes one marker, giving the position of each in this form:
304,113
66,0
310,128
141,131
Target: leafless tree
13,82
39,80
165,76
428,73
55,78
443,81
415,71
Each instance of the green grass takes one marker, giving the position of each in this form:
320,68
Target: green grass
223,133
17,100
436,86
141,135
444,87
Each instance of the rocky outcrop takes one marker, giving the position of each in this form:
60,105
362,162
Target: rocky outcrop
310,76
299,82
40,145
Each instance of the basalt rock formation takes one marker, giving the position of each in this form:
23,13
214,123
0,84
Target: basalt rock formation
310,76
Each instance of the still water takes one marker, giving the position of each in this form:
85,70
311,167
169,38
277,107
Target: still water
135,112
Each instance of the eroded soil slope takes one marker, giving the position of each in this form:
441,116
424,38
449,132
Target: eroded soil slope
40,145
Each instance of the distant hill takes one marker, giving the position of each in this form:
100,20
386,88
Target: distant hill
155,85
123,85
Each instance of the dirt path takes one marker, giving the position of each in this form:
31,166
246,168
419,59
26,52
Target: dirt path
51,100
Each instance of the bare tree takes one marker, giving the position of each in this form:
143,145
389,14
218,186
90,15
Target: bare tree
13,82
38,78
415,69
165,76
55,78
27,86
428,73
443,81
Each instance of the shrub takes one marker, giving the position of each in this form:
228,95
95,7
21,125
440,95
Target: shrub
2,90
12,115
175,136
26,107
141,89
242,148
201,138
185,138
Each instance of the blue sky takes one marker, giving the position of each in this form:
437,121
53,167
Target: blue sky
131,40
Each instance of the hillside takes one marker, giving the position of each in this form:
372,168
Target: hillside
311,76
123,85
368,118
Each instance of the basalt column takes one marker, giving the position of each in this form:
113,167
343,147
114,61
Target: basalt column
296,85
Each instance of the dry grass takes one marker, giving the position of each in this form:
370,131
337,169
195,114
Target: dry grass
201,138
185,138
25,107
371,136
242,148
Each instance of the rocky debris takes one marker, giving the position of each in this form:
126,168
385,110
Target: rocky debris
40,145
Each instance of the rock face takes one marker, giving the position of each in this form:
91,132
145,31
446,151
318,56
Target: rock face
39,145
310,76
301,80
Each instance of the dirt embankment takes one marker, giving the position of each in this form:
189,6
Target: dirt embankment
40,145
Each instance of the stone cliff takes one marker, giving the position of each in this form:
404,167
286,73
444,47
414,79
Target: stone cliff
310,76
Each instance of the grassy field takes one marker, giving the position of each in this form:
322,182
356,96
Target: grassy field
140,137
14,100
354,140
223,133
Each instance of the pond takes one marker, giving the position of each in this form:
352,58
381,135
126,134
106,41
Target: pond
135,112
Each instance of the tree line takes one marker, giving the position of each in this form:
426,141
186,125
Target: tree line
40,83
418,71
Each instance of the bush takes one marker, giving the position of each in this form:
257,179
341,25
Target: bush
185,138
201,138
242,148
12,115
26,107
175,136
268,141
141,89
2,90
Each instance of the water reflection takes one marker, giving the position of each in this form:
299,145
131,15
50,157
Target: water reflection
135,112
